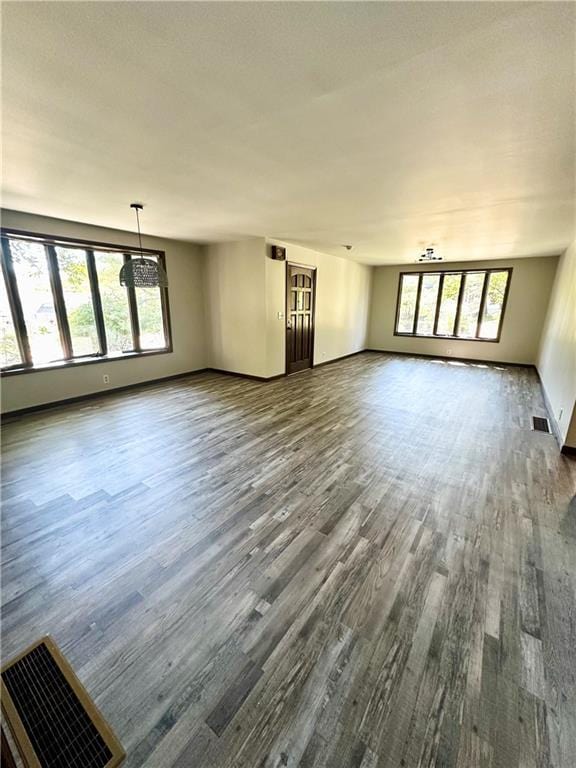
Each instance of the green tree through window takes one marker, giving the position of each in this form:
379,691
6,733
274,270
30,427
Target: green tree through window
466,304
72,263
71,304
115,301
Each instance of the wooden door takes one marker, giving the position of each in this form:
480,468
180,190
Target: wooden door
300,296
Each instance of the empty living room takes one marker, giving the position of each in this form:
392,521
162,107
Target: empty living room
288,384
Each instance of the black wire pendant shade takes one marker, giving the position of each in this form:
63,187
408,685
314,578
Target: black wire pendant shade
141,272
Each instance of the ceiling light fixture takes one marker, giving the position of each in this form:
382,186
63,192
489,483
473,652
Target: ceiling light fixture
142,273
429,255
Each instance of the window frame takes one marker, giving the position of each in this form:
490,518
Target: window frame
50,242
443,272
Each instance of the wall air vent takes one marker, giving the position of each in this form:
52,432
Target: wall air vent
52,719
540,424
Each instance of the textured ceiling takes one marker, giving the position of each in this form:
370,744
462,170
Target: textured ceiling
389,126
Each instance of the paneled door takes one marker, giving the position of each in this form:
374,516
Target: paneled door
300,296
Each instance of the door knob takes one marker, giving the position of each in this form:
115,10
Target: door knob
288,326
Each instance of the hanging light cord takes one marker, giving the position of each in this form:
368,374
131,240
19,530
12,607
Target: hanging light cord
136,208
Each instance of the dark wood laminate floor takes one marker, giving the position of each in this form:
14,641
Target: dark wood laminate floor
371,564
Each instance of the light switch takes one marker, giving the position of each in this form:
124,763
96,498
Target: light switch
280,315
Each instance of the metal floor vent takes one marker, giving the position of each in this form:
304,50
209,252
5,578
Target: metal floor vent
54,722
540,424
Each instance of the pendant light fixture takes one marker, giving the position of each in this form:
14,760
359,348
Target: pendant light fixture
429,255
141,272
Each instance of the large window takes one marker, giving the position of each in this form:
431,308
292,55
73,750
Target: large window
465,304
61,301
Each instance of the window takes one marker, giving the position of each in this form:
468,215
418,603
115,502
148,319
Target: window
33,279
115,301
407,303
73,268
448,304
62,302
150,318
9,351
427,307
468,304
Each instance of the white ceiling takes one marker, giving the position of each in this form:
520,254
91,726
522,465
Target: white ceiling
386,125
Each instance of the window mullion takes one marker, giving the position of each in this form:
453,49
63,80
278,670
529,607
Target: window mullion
59,303
459,306
417,308
483,301
96,301
15,304
164,301
399,303
133,305
438,302
504,301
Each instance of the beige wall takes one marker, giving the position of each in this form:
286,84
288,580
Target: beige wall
530,288
342,305
225,302
236,306
245,306
184,264
557,354
275,274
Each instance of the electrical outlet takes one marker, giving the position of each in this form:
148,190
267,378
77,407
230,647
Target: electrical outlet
106,379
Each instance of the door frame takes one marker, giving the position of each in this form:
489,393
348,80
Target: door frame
314,271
